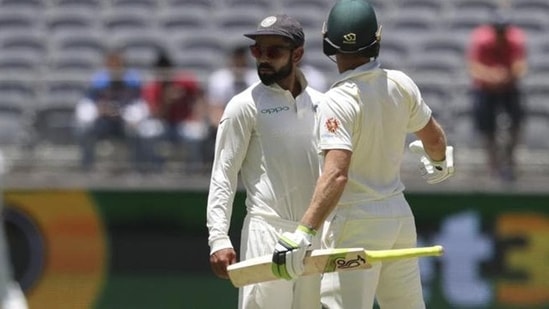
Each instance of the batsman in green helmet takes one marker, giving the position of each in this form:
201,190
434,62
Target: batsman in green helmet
359,197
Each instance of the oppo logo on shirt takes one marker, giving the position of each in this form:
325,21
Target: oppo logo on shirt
275,110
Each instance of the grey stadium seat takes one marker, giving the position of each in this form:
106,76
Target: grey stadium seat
70,62
19,19
179,20
25,41
70,19
140,48
79,41
20,63
126,20
54,121
12,124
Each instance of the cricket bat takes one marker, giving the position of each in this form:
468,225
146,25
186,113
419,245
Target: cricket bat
258,269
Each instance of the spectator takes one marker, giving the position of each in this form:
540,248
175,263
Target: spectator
112,108
178,115
224,83
497,61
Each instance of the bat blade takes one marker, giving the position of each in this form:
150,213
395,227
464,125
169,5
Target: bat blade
258,269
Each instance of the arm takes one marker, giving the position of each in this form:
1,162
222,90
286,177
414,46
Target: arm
329,187
291,248
436,157
434,140
231,147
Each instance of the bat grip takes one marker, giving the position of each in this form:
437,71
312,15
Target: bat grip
395,254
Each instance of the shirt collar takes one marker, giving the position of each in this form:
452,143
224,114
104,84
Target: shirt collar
300,79
367,67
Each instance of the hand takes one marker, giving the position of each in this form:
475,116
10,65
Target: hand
434,171
219,261
290,251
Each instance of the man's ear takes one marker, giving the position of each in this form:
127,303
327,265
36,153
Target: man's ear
298,54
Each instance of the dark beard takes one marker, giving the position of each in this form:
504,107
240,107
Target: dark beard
271,78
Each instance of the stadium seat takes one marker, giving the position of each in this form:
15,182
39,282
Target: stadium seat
432,7
18,62
93,5
533,23
69,62
463,7
530,6
36,5
18,88
19,19
535,132
12,124
461,24
394,52
190,4
207,43
311,21
79,41
66,86
25,41
140,48
235,22
412,26
179,20
54,121
259,5
126,20
149,5
70,19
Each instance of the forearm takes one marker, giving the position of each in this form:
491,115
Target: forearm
325,198
329,188
434,140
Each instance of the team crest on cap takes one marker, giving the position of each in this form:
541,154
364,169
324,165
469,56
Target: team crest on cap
332,124
268,21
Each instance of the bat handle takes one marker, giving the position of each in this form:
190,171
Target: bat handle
394,254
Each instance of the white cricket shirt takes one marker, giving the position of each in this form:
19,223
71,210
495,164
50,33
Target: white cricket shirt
369,112
270,137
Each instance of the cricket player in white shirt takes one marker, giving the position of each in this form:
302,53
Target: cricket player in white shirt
267,134
362,130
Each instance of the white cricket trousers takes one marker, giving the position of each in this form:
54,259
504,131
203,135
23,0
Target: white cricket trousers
375,225
259,237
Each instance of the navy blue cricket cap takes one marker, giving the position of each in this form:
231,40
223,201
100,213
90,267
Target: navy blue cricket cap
282,25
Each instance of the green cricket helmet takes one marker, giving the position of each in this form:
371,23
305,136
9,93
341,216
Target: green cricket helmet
351,28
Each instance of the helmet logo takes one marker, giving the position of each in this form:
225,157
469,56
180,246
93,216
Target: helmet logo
349,38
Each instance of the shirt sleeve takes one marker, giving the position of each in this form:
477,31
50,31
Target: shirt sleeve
337,117
232,140
420,112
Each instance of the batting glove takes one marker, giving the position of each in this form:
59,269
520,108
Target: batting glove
289,253
434,171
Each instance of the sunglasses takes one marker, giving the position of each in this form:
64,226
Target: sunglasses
271,52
